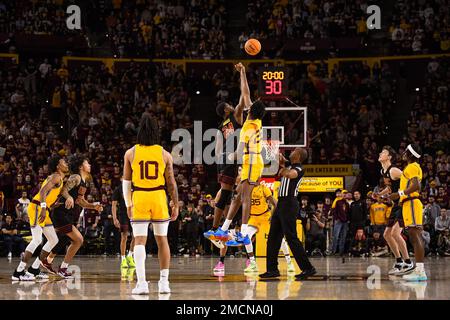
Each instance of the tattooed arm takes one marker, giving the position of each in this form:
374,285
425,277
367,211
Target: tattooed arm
171,184
73,181
81,201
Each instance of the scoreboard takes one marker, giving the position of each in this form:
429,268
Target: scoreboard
272,82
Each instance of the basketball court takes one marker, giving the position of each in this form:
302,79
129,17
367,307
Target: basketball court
192,279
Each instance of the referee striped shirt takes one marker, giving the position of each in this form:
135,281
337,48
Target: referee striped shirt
289,187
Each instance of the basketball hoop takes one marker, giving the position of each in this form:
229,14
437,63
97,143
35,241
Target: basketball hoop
271,148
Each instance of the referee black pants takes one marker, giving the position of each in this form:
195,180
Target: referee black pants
284,224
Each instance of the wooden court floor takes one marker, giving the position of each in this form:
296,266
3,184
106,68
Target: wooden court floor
192,279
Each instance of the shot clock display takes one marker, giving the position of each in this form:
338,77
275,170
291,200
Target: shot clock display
273,82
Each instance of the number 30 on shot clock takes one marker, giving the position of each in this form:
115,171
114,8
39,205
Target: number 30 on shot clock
272,82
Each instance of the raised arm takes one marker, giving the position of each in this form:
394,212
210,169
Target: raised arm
244,100
171,184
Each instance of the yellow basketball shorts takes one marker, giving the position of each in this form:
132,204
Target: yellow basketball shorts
150,206
412,211
258,221
33,213
252,169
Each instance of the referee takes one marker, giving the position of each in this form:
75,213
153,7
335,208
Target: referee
284,219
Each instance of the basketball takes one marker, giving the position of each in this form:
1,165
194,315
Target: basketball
252,47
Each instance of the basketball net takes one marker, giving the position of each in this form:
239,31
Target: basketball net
271,147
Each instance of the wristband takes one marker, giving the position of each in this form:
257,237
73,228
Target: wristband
401,193
43,205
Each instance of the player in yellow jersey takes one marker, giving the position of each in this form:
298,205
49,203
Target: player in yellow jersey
148,170
249,149
412,208
40,221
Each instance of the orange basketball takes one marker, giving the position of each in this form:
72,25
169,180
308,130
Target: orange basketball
252,47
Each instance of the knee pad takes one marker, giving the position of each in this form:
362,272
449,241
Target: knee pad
32,246
225,199
160,229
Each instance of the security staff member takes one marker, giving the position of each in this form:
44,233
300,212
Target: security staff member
284,219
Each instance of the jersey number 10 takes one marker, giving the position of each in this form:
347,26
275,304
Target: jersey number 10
145,170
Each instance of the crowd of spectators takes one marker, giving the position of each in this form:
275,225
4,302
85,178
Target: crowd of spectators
419,26
306,19
173,29
35,17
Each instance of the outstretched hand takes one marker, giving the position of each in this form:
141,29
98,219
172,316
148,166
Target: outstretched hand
239,67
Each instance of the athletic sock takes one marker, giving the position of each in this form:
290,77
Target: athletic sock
222,259
64,265
252,259
226,224
36,263
288,258
21,266
130,253
244,230
419,266
123,257
399,260
408,261
249,248
139,257
164,274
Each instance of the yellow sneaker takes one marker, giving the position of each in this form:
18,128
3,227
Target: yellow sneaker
130,274
251,268
130,261
124,264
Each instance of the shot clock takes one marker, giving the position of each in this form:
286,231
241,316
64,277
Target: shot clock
272,82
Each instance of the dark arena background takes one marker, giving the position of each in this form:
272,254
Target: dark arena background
340,80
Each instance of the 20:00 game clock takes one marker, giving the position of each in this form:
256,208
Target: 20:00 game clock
272,82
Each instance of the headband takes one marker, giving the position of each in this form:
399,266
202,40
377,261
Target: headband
413,152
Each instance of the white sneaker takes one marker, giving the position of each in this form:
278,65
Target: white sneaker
416,275
141,288
23,276
219,244
406,268
163,286
396,269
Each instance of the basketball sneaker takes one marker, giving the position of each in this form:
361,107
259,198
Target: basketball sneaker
209,234
141,288
396,269
239,240
38,274
219,234
22,276
63,273
416,275
252,267
406,268
124,264
48,266
219,267
219,244
130,261
291,267
163,286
